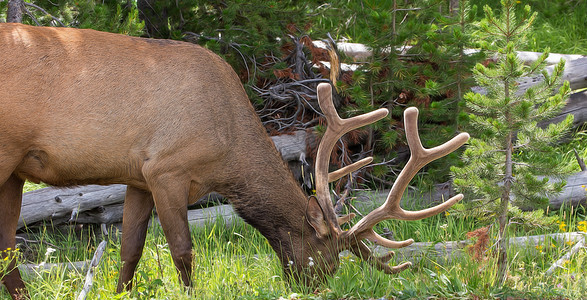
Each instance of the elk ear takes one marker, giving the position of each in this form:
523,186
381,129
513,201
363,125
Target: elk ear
315,217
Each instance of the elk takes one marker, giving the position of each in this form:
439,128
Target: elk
172,121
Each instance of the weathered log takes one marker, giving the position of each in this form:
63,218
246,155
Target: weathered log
573,194
55,203
291,146
580,244
91,271
577,106
109,214
31,270
200,217
575,73
447,251
360,53
92,208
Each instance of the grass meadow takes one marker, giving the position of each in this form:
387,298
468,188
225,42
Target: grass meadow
233,261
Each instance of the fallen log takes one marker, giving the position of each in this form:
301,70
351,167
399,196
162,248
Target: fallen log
573,194
66,203
575,72
30,270
580,244
360,53
95,204
446,252
577,106
91,271
200,217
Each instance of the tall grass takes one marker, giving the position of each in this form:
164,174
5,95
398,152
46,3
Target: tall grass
561,24
233,261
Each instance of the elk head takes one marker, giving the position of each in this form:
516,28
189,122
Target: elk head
330,239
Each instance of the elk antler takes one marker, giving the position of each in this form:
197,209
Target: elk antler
337,127
391,208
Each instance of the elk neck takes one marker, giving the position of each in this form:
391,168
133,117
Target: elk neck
265,194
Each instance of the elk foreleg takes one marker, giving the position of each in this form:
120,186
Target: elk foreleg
10,202
171,199
138,205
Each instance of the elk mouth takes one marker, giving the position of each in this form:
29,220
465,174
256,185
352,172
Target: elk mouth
314,272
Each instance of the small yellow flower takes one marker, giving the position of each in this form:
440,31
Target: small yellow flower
570,243
446,213
562,227
582,226
539,248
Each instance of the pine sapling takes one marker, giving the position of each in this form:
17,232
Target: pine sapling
508,159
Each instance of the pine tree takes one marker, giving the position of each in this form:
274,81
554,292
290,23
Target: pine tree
509,149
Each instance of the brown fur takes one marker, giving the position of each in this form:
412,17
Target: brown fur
169,119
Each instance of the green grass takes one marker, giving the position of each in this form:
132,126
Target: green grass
561,24
236,262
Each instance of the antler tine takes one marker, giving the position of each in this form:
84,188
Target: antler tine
337,127
335,175
361,250
391,208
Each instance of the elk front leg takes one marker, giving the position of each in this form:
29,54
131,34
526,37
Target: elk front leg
138,205
171,199
10,201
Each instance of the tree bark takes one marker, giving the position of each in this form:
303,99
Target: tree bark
14,11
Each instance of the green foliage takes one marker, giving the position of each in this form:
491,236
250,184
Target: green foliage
241,31
418,60
560,25
111,16
119,16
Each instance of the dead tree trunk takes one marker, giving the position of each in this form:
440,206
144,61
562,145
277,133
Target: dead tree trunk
14,11
67,204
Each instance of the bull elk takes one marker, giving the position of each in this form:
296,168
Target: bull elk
172,121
